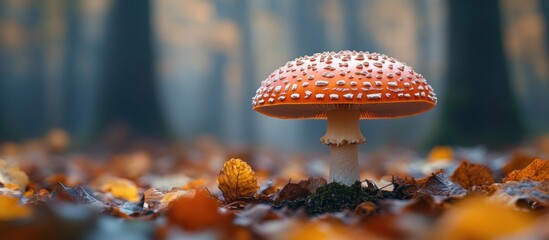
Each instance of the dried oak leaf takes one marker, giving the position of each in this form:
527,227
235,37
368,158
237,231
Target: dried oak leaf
538,170
11,177
196,213
11,210
534,194
237,180
441,153
440,188
152,198
471,174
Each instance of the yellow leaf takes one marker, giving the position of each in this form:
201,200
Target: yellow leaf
195,184
441,153
237,180
120,188
11,210
12,177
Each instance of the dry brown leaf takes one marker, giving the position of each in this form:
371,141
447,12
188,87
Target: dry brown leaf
519,160
471,174
440,188
12,177
237,180
538,170
11,210
478,219
196,213
529,194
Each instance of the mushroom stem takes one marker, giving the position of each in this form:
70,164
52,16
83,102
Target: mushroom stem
343,135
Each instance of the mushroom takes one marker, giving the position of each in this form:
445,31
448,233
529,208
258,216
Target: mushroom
343,88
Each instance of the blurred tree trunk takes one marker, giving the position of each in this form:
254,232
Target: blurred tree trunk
478,107
130,90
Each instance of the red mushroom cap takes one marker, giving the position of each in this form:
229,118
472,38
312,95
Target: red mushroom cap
377,85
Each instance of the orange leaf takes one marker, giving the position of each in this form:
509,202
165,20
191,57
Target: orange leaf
120,188
11,210
470,174
237,180
441,153
195,213
12,177
538,170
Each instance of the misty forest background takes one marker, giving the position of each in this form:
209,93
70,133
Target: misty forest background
177,70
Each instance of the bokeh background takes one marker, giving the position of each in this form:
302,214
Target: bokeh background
113,71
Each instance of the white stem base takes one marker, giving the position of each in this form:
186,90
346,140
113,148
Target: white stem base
344,164
343,136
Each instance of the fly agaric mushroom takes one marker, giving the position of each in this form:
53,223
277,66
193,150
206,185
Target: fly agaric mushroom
343,88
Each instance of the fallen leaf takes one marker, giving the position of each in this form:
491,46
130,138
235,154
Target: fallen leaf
404,188
11,177
195,184
535,194
322,230
478,219
538,170
196,213
440,187
366,209
301,190
152,198
237,180
120,188
519,160
471,174
290,192
173,195
441,153
10,209
76,195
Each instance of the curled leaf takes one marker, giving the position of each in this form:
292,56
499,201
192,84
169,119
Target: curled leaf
440,187
237,180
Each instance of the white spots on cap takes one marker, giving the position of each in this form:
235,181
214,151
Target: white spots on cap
377,64
308,94
378,83
261,101
392,84
278,88
407,84
328,75
390,75
305,84
348,96
367,84
373,96
320,83
340,82
420,88
265,95
359,96
295,96
406,95
388,95
319,96
400,94
353,83
423,94
334,96
379,77
271,100
294,87
416,94
281,98
287,87
311,77
401,68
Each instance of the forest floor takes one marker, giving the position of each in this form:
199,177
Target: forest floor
207,191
